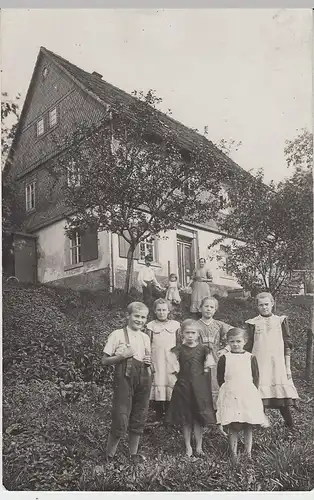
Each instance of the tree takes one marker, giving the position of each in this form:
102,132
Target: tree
9,121
274,223
131,174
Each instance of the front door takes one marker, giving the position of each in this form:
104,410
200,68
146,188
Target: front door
25,259
184,248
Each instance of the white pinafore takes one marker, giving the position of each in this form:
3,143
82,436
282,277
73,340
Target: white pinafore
163,335
268,348
239,400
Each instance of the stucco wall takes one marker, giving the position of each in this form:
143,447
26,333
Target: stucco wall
167,258
51,248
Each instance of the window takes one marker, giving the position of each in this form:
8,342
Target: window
74,175
53,117
40,127
81,246
75,248
147,248
30,196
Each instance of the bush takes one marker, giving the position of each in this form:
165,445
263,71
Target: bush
57,399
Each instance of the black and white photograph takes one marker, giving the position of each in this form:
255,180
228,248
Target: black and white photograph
157,250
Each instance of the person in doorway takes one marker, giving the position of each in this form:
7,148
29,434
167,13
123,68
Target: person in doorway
200,286
147,280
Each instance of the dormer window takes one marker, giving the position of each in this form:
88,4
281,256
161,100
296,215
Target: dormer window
52,117
40,127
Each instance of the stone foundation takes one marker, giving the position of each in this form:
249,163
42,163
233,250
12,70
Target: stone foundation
93,280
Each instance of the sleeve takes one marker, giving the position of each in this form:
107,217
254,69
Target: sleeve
209,359
287,341
250,342
221,366
112,343
255,372
178,337
173,361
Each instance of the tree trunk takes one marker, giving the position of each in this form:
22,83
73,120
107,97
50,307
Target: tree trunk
129,270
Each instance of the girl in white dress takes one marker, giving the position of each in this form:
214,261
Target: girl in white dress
172,294
270,342
239,404
164,335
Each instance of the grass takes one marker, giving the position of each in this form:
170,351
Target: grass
57,397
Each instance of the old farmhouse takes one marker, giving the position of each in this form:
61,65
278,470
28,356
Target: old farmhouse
59,98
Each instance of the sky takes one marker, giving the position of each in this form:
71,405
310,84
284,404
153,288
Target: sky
246,74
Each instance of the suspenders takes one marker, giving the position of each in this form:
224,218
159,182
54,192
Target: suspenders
129,362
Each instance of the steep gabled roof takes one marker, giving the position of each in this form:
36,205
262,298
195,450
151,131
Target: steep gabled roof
109,94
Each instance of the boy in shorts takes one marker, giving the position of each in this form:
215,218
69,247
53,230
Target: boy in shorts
129,350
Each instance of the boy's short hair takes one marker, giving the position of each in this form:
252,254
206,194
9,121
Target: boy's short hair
264,295
171,275
160,301
148,258
190,322
137,306
212,299
234,332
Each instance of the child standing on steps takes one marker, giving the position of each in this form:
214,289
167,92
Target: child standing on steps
191,404
270,342
129,350
172,293
239,404
163,336
213,334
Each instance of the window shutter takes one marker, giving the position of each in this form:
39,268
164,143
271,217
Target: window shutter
89,244
124,248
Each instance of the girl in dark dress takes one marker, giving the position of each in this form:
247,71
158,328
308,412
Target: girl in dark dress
191,404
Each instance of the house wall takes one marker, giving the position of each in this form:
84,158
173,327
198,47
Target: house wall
167,258
74,107
34,156
52,246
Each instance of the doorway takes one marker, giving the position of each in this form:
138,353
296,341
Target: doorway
184,250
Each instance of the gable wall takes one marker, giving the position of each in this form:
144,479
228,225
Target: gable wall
74,107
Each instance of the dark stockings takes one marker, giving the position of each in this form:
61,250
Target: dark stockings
160,408
286,414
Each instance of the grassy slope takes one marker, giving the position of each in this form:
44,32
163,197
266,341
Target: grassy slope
56,407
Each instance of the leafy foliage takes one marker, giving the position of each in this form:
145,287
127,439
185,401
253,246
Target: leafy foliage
136,177
9,120
275,222
57,399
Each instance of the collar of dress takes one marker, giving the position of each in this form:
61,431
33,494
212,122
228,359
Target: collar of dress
160,326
